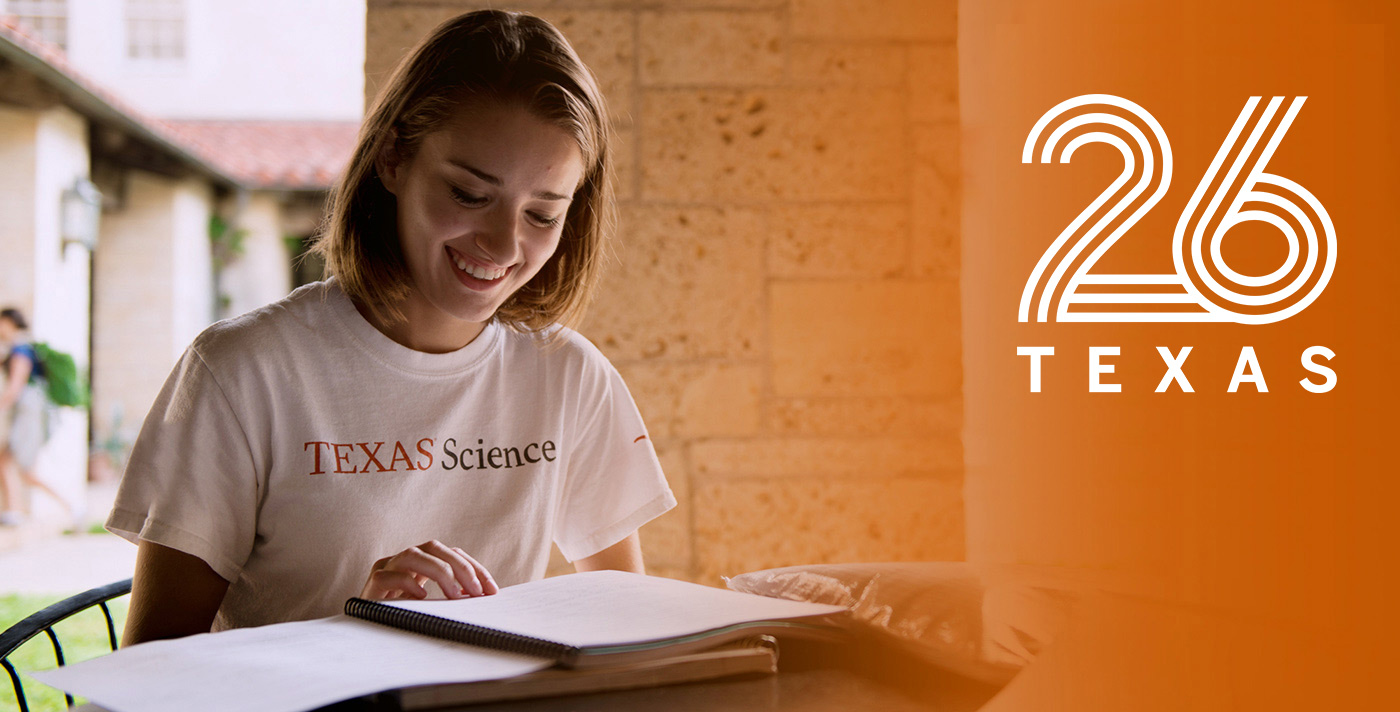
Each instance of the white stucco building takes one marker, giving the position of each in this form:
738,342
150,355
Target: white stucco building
185,115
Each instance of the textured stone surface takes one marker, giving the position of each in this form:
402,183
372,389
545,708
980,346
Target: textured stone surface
934,245
865,338
793,144
667,541
871,457
715,4
604,41
876,19
696,400
602,38
707,47
837,241
745,525
933,83
684,287
890,417
390,32
625,161
824,63
528,5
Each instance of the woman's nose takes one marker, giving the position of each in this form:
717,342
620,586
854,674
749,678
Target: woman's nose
500,237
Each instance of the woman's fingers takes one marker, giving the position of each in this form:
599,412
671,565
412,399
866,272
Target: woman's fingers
462,569
488,584
387,584
404,574
422,567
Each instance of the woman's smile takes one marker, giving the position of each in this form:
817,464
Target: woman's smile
473,274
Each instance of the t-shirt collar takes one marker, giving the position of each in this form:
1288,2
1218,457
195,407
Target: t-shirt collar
397,355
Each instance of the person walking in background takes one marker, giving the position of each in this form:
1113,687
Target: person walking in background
23,419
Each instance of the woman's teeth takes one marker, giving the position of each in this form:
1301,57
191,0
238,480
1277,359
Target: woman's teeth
479,272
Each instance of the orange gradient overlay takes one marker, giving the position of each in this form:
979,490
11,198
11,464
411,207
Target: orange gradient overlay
1245,538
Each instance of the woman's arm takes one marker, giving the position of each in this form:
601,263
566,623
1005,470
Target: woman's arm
173,594
20,367
626,555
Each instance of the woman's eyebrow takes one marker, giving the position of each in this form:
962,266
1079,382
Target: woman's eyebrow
493,180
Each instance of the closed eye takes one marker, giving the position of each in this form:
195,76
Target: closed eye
544,220
467,199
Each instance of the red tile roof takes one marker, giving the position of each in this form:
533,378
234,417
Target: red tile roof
48,61
288,155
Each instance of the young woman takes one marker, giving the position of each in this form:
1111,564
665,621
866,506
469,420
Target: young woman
23,421
421,420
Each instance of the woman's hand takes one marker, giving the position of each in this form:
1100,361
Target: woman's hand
404,574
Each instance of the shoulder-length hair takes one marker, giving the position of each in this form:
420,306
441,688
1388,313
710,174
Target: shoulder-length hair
488,55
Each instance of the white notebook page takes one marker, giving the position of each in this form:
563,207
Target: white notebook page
277,668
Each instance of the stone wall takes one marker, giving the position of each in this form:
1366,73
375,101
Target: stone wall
784,304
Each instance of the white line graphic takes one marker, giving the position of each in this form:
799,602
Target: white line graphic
1204,288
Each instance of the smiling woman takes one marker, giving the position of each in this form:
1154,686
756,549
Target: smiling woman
481,206
463,238
513,128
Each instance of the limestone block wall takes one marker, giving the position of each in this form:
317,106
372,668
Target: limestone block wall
784,302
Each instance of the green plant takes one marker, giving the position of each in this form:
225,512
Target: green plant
294,244
225,242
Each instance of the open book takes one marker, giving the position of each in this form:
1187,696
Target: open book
601,618
599,621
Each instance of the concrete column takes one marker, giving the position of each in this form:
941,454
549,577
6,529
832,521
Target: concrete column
154,294
263,273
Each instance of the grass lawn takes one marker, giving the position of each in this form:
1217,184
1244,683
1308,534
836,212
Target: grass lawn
83,636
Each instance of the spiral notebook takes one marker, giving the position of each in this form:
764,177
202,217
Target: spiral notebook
604,618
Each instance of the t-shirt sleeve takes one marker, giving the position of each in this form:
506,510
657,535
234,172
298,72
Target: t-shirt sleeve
614,482
191,483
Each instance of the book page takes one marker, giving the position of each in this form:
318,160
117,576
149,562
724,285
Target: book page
277,668
603,608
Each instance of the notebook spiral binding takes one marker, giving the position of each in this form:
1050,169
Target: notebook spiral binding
457,631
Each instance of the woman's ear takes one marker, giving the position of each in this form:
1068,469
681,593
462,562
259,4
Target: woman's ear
388,164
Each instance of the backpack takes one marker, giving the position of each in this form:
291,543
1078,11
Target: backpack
65,386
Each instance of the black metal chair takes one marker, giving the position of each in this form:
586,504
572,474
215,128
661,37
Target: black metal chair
44,621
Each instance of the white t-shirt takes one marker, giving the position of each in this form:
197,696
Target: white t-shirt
295,445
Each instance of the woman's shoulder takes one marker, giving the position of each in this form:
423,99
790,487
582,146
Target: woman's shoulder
295,321
23,348
557,346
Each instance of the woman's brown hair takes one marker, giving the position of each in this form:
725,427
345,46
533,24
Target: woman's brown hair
488,55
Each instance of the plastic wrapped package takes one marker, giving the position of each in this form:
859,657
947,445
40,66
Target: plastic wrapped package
982,622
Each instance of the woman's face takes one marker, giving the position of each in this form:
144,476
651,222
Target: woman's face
8,330
481,205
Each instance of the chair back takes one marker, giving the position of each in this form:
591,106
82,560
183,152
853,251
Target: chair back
44,621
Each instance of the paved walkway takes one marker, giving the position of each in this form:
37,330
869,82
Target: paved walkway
35,560
66,564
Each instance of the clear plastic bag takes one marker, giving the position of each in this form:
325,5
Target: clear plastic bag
984,622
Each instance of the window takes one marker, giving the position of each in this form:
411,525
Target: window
155,29
46,18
